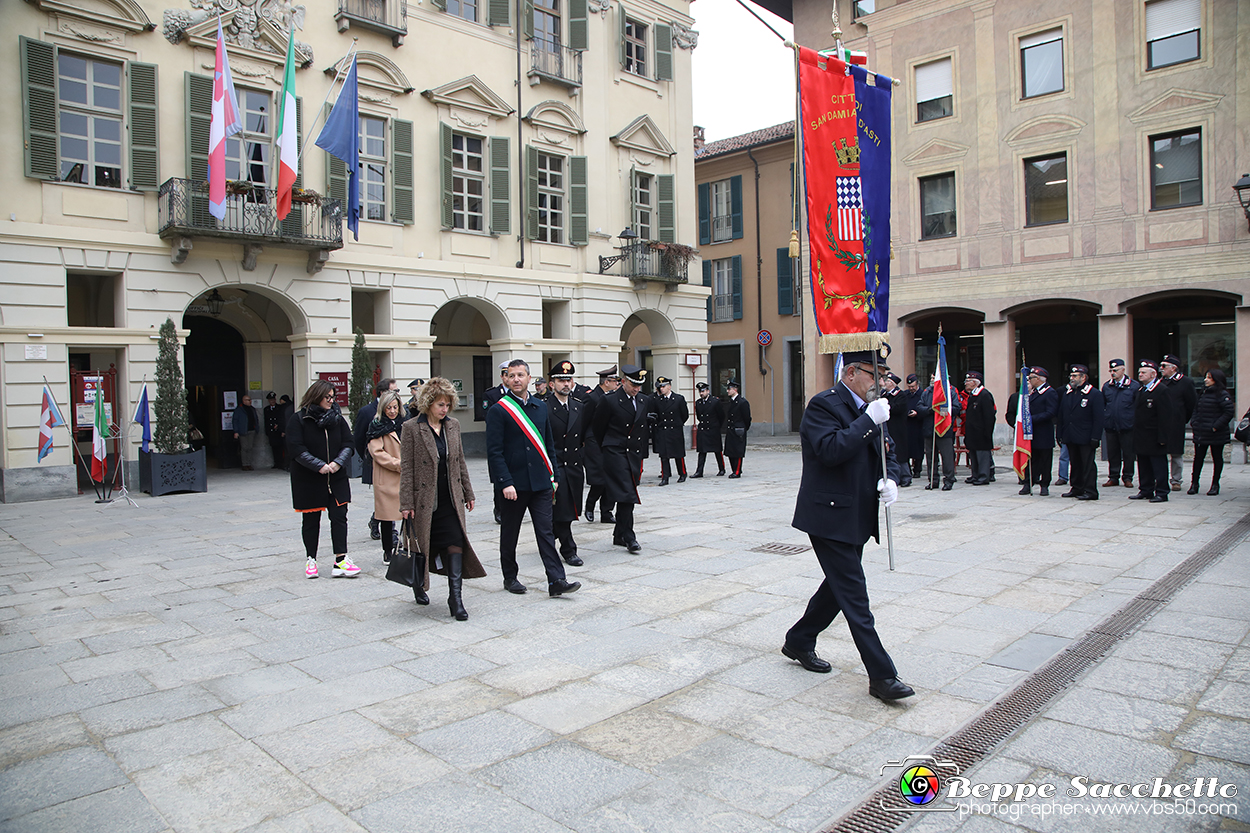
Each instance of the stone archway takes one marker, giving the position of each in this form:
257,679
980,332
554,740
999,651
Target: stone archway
463,330
963,330
1057,333
649,340
1197,326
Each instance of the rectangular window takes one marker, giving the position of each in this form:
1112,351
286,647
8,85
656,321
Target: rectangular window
247,152
547,24
90,99
643,205
1172,30
372,168
463,8
934,90
937,206
550,198
1041,63
636,48
468,183
1046,190
1176,169
722,290
860,8
722,211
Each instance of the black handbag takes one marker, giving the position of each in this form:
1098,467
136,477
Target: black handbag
407,565
1242,434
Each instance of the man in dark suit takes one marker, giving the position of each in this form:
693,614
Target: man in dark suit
1154,421
1082,412
609,380
737,424
1184,399
275,429
979,416
940,446
360,435
709,420
489,398
521,453
915,428
568,430
1043,408
669,434
1119,392
622,428
899,406
839,492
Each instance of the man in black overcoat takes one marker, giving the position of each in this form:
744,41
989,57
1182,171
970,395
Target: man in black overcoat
915,428
896,396
979,417
1082,413
941,445
489,397
609,380
668,435
1154,422
622,428
1043,408
568,430
737,424
1119,393
275,429
837,507
1184,399
709,417
360,433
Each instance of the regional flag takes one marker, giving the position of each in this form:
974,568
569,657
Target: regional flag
941,393
99,433
225,123
50,417
288,144
341,137
144,418
1024,428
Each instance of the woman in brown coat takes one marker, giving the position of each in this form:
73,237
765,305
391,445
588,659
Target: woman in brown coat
383,438
435,490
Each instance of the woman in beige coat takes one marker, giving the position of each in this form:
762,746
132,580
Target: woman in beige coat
383,438
435,490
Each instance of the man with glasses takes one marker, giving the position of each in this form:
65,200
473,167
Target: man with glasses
1119,392
1081,414
837,506
1154,420
1184,399
979,417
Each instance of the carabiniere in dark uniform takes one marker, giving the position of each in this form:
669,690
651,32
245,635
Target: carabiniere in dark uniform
709,417
567,416
669,433
622,429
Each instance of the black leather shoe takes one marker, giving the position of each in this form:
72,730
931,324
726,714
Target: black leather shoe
1159,499
1087,497
807,659
498,518
375,529
663,481
720,473
515,586
573,560
1044,491
561,587
1214,490
681,479
590,516
1025,490
969,480
1138,496
634,547
930,486
696,475
1063,481
607,518
1193,489
891,689
946,487
1070,493
734,476
906,482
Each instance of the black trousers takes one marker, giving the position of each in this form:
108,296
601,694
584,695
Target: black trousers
278,443
735,463
596,495
982,464
1152,473
513,512
946,453
1040,465
845,591
564,534
311,529
1120,455
720,461
624,529
1083,469
667,472
1217,461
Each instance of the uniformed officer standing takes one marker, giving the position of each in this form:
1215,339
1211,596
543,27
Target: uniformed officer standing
568,431
1082,411
899,406
709,418
669,434
1043,408
1154,421
609,380
489,397
621,427
737,424
1184,400
275,430
939,447
1119,392
979,415
414,387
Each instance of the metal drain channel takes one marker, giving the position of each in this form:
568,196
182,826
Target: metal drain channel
885,809
781,549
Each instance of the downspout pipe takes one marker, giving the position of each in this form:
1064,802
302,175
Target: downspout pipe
523,213
759,262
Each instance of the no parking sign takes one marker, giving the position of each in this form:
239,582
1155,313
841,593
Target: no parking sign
764,337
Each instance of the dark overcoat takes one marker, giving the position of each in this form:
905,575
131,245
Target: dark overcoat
737,424
668,435
511,456
1119,404
622,432
1154,420
568,431
841,466
1082,412
313,440
1184,399
361,435
979,418
897,424
592,455
709,417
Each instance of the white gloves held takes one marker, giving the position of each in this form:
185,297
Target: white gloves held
888,490
878,411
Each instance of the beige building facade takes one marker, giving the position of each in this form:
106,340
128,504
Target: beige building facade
499,165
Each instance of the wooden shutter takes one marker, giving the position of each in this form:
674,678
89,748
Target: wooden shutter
665,208
579,226
199,94
142,118
579,25
785,283
527,19
737,286
735,205
663,52
336,175
500,185
620,40
445,176
705,213
401,171
441,5
499,12
293,225
707,281
39,113
531,192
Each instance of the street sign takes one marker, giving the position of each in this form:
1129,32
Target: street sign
765,338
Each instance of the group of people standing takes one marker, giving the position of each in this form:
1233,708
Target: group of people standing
246,426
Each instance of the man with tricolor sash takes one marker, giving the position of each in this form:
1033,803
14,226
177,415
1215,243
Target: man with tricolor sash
521,454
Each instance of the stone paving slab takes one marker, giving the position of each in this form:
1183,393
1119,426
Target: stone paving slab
160,658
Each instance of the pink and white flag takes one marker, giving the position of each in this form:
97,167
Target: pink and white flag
225,123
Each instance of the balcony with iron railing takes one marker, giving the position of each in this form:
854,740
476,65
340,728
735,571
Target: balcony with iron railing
649,260
390,17
314,224
550,60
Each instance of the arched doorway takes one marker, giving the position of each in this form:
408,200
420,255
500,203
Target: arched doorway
965,342
215,360
462,331
1196,328
642,333
1057,334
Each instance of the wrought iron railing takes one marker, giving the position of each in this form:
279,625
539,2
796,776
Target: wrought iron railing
559,63
387,16
251,216
650,261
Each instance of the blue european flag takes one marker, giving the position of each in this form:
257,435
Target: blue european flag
341,137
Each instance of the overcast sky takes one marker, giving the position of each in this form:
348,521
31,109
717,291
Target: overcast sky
743,74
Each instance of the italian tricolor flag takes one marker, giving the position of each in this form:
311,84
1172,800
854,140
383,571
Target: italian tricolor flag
99,433
288,144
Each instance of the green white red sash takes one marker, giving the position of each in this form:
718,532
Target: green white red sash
517,412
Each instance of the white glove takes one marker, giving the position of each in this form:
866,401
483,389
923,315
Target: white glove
878,411
888,490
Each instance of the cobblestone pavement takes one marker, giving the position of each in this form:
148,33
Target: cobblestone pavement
169,667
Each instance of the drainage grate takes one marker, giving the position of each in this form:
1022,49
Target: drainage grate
969,745
781,549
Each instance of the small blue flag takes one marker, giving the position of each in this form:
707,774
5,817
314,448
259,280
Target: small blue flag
143,417
341,137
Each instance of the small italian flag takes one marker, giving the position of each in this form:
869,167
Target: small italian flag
99,433
288,143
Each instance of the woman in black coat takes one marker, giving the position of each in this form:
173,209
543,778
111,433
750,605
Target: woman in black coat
1212,415
318,445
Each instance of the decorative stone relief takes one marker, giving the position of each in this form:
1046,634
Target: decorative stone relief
243,26
553,138
684,37
245,69
90,33
599,7
469,119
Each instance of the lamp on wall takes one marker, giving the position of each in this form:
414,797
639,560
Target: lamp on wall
216,303
1243,195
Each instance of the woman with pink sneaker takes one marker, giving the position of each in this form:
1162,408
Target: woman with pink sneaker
383,436
319,444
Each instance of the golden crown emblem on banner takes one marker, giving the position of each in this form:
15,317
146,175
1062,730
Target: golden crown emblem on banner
848,155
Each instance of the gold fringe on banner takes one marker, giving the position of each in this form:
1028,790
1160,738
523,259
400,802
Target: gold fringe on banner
853,342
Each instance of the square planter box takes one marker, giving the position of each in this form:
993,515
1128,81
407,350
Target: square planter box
160,474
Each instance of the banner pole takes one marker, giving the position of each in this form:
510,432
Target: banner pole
885,472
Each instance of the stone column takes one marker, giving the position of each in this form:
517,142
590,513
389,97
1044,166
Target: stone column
1241,333
1001,360
1115,341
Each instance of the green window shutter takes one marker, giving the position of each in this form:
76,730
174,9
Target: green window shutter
199,94
293,225
579,25
631,206
735,205
665,208
663,52
144,171
737,286
500,185
785,283
499,12
579,226
531,192
336,175
707,281
705,213
620,41
441,5
401,171
444,144
527,19
39,112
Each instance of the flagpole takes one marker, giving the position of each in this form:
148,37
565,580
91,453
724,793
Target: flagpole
885,473
344,67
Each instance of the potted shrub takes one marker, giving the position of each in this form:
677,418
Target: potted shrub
359,390
173,466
